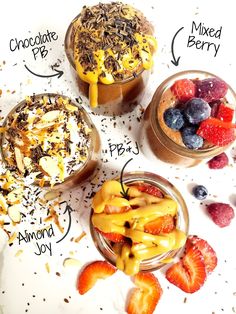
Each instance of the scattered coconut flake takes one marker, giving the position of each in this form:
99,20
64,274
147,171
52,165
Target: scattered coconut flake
71,262
18,253
83,234
47,267
12,238
51,195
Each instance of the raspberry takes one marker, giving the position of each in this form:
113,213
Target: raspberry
218,162
221,213
211,89
183,89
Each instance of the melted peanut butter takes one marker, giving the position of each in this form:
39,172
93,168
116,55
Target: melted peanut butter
131,224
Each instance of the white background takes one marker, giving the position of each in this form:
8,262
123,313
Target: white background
24,282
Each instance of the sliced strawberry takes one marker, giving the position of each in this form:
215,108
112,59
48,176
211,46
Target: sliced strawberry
190,273
113,236
225,113
150,189
143,300
163,224
110,209
210,258
217,132
91,273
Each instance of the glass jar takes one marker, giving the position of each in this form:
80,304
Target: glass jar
113,99
18,120
164,142
182,220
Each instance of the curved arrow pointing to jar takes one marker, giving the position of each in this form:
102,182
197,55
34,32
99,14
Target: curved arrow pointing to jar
58,73
174,61
69,210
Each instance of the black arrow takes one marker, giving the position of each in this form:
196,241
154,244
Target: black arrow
69,210
174,61
58,74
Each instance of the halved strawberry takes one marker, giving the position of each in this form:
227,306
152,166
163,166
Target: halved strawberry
91,273
190,273
217,132
110,209
143,300
150,189
163,224
225,113
113,236
210,258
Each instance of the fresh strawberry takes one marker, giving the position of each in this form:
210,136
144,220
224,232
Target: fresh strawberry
217,132
163,224
183,89
210,258
190,273
225,113
149,189
91,273
112,236
110,209
144,298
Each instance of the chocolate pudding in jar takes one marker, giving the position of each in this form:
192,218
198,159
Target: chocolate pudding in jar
139,224
110,48
51,140
191,118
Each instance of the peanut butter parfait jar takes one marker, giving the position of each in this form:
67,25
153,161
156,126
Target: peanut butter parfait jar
110,46
51,140
191,118
140,223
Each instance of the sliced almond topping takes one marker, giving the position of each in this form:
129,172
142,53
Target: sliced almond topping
49,165
71,262
44,125
71,107
27,161
19,160
15,196
3,203
50,116
51,195
14,212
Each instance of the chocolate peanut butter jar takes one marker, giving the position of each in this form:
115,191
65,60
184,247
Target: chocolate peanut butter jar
191,118
110,48
50,140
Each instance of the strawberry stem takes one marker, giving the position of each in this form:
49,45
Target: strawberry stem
123,192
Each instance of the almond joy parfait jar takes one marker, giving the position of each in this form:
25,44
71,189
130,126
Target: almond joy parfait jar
110,47
51,140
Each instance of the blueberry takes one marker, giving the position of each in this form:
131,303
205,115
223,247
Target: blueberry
190,138
173,118
200,192
197,110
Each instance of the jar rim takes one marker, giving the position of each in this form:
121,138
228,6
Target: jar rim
164,138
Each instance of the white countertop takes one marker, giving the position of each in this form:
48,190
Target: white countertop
25,284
